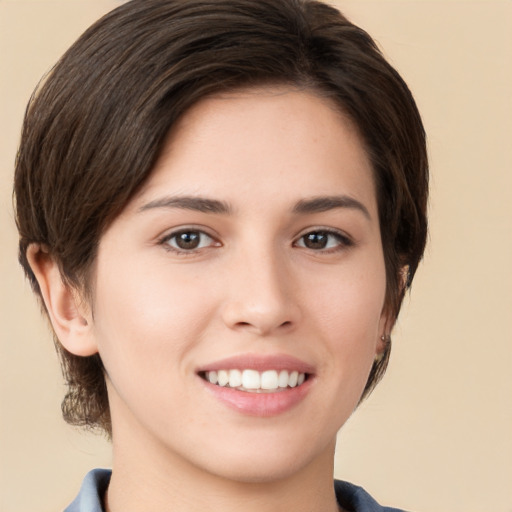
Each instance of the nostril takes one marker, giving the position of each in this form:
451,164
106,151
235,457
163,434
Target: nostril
250,325
259,317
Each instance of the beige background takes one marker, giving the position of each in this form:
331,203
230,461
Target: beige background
437,434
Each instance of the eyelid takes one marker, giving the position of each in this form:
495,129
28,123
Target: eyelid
345,240
170,234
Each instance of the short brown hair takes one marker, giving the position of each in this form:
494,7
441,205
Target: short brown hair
95,128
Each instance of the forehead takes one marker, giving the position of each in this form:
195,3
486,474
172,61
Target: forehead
277,143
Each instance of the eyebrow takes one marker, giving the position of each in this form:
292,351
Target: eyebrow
326,203
304,206
199,204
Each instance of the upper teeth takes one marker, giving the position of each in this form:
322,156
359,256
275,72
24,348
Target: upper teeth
253,380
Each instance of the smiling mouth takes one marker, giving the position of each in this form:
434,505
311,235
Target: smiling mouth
253,381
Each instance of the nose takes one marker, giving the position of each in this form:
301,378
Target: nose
262,297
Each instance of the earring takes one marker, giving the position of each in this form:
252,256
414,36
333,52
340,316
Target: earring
380,357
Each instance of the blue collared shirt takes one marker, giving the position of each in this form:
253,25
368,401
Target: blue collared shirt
90,497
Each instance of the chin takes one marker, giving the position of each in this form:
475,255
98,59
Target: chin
270,463
256,473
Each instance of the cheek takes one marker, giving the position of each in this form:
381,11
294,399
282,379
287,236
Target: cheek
353,297
148,325
145,314
347,310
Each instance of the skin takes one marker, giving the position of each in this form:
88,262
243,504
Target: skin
251,287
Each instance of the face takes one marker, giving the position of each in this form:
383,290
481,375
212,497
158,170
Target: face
238,298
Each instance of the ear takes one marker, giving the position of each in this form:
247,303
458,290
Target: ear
383,332
388,318
70,316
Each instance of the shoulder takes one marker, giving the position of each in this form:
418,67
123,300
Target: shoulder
91,493
355,499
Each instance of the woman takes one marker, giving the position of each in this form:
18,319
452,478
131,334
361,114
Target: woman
221,205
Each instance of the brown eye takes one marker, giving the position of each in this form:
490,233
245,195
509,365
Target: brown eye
316,240
188,240
323,240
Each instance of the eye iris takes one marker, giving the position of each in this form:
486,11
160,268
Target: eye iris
188,240
316,240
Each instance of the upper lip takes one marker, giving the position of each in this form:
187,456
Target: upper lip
259,362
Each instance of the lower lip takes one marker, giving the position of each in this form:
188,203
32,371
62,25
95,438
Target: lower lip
260,404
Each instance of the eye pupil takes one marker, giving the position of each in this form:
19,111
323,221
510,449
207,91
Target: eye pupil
317,240
188,240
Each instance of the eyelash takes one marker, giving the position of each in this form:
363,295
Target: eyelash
342,241
166,241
